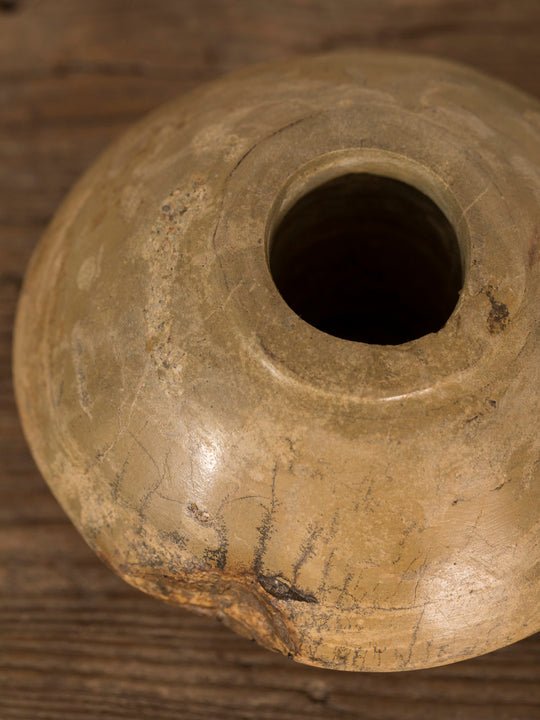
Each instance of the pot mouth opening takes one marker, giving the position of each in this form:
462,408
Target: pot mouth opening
367,258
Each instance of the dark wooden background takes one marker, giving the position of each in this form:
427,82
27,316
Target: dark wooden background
75,641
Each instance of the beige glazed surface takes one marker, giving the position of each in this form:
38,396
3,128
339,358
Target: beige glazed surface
356,505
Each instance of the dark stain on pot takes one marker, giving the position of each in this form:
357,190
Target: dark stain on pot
498,317
534,249
268,352
217,557
176,538
280,589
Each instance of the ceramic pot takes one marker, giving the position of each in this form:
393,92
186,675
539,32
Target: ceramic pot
278,358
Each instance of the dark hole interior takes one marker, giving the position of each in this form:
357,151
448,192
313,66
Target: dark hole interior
367,258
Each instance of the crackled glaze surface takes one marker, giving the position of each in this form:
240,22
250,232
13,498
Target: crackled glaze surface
355,506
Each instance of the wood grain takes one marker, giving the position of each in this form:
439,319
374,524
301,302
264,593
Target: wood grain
74,640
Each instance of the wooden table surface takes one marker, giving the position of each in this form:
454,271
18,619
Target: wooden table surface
75,641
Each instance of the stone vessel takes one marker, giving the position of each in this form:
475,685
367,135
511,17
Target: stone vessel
278,358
